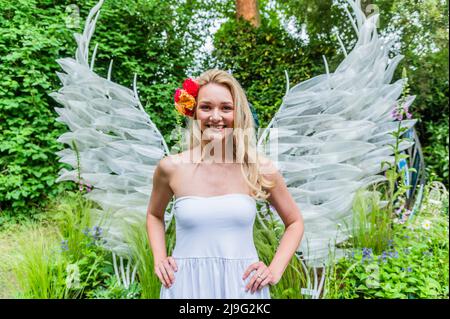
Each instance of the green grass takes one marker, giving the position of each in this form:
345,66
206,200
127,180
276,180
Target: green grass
142,255
37,269
267,234
11,241
371,223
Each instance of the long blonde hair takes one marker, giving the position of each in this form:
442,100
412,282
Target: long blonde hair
245,153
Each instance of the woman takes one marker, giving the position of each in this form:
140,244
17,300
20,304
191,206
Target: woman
216,182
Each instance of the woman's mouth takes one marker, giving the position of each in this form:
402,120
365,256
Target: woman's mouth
217,127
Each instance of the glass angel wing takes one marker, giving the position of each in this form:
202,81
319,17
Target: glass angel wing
331,134
118,144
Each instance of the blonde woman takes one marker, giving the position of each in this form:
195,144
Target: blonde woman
216,181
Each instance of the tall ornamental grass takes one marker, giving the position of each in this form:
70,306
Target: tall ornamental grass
267,235
371,223
40,268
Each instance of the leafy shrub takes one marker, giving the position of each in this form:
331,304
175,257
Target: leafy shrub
415,265
436,151
69,263
34,34
93,266
113,290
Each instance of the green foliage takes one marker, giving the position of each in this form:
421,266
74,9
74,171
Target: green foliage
320,18
113,290
415,265
267,235
436,151
71,215
70,264
396,179
142,255
371,223
81,245
92,268
425,46
420,29
258,58
34,34
40,268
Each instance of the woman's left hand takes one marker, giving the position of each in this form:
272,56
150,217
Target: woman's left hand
262,277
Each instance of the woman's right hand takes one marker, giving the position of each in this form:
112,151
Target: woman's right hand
164,269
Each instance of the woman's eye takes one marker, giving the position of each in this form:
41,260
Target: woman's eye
204,107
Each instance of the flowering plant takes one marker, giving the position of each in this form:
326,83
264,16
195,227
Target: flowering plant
185,97
397,174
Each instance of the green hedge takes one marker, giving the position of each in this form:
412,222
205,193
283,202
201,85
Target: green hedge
32,36
141,36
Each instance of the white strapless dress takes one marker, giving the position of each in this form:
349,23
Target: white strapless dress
214,246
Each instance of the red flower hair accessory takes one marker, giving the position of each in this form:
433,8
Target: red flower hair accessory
185,97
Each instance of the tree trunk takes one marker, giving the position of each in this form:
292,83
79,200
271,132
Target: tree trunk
248,10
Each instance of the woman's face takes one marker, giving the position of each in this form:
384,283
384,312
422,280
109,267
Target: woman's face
215,111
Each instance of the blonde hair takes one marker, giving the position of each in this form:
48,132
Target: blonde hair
245,153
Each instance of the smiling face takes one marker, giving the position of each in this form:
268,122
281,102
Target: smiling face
215,111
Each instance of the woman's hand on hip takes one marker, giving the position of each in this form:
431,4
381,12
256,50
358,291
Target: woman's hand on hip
165,269
263,276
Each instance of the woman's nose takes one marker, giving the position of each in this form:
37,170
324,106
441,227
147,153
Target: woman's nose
216,114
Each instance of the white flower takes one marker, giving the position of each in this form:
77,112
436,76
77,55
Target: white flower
426,224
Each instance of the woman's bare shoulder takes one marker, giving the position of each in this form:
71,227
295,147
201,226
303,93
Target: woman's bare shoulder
168,164
171,162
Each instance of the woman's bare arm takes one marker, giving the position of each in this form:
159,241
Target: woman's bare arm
287,209
282,201
159,199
